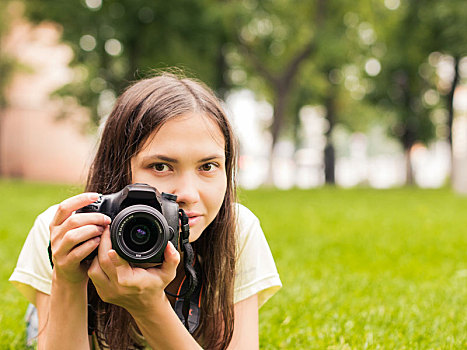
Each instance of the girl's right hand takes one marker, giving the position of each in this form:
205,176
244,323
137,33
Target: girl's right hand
74,237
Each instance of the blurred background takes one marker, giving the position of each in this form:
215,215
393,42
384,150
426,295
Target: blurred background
320,92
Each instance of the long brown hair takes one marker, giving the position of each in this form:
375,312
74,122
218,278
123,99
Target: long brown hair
138,112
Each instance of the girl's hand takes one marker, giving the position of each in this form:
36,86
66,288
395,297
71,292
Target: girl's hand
136,289
74,237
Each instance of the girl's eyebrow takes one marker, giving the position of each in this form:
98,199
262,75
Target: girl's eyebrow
212,157
160,157
173,160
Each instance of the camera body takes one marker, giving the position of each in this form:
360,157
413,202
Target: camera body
143,222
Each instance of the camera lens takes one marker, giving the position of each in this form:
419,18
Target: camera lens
139,233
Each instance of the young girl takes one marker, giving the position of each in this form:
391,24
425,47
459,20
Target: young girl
172,134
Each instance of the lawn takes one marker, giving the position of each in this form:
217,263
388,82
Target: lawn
361,268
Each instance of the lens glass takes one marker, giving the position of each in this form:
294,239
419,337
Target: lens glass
141,233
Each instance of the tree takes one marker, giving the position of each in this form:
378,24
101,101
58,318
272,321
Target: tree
270,41
118,41
399,87
287,52
446,24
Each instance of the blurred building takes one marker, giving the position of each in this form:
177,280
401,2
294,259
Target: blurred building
35,142
460,141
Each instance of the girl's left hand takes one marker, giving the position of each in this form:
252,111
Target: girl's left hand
136,289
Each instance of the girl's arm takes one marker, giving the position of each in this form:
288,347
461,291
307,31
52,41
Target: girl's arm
63,317
162,328
141,293
63,314
245,334
175,336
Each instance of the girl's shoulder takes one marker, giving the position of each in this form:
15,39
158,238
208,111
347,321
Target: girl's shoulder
49,213
45,218
245,217
248,225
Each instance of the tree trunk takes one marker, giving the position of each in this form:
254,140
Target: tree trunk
280,103
329,163
329,152
282,85
450,107
220,83
408,140
409,175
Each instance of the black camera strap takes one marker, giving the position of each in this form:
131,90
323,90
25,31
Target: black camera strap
188,307
184,307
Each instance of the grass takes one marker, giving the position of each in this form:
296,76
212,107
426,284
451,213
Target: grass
361,268
365,269
20,204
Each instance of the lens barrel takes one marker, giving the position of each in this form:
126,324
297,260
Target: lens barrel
140,234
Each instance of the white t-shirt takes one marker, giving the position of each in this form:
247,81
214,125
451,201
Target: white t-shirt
256,272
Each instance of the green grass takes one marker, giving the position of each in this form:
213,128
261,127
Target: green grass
365,269
20,204
361,268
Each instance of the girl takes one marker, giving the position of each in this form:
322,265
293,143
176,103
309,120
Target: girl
172,134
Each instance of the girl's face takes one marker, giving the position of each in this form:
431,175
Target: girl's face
186,157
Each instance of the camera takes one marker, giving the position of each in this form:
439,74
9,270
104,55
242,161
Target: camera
143,222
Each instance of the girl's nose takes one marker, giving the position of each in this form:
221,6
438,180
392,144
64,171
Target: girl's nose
186,190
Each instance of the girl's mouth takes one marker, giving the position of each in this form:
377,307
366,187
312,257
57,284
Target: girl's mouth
193,218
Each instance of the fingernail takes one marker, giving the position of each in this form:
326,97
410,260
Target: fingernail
112,254
97,239
100,228
107,220
171,248
93,196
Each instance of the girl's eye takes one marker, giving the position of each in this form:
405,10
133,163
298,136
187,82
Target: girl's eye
209,167
160,167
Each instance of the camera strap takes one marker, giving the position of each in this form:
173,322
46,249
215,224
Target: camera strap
188,307
188,299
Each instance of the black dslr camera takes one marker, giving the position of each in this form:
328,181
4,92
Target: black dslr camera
143,222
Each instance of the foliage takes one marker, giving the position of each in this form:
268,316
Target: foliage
361,268
118,41
399,87
446,24
411,36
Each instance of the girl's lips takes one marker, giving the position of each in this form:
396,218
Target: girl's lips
193,218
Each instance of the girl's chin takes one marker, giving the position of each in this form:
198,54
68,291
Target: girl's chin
194,235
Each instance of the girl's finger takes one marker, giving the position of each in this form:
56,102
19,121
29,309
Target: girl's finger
82,219
97,275
171,261
80,252
79,236
68,206
123,270
113,266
